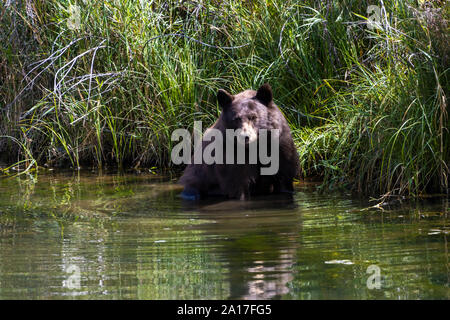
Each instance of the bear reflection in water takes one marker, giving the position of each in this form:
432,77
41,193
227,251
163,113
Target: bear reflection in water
249,113
257,240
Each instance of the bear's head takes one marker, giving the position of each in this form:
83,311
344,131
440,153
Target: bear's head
248,111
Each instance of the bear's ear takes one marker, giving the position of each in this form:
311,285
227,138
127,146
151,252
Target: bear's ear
224,98
264,94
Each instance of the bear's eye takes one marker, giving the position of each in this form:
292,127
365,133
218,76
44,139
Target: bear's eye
252,118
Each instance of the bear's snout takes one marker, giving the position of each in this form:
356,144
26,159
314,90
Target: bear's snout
248,133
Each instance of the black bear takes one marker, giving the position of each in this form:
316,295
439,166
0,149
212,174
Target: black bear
248,113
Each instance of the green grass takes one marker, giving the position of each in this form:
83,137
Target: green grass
368,108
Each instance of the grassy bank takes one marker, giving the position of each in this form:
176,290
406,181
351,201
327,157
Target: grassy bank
105,83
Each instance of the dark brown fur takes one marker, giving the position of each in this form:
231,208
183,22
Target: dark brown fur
242,180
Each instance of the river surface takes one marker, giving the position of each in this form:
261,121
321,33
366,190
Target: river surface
129,236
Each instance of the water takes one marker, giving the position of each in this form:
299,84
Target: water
91,236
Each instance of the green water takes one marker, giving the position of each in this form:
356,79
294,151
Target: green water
91,236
